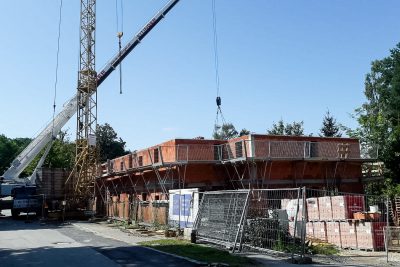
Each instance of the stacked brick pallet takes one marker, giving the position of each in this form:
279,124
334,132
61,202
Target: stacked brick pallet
319,231
370,235
348,236
330,219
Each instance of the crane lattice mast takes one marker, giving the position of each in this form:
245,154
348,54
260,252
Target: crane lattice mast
86,149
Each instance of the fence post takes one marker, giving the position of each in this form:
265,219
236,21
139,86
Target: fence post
295,221
269,149
197,219
387,230
241,223
303,226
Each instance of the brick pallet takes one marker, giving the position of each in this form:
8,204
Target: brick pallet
325,208
348,234
290,205
308,228
333,233
331,219
312,209
319,230
343,207
370,235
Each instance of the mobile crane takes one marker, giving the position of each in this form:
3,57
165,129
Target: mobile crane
10,179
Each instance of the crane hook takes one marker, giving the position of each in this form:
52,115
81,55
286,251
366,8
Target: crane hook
218,100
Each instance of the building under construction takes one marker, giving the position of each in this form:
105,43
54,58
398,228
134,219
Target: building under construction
252,161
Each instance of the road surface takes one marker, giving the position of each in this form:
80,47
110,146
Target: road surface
35,244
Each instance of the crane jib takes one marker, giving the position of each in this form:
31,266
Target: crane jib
113,64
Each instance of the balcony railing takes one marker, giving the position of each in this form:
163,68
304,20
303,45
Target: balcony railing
310,150
240,150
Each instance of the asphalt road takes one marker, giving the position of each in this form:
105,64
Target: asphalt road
35,244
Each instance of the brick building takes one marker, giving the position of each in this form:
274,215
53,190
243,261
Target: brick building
251,161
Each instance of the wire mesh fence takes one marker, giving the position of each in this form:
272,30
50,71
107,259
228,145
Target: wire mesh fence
293,220
392,242
271,222
220,216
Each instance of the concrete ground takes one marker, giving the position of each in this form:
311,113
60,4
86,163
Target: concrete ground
352,260
98,244
348,258
36,244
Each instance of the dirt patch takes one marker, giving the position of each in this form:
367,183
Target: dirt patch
360,258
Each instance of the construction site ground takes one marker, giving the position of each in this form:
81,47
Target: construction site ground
352,258
33,243
75,244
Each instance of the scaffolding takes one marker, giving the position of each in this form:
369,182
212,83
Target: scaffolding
248,163
147,175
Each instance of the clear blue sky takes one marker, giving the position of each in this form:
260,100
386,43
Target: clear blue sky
278,59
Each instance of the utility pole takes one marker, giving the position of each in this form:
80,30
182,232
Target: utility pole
86,159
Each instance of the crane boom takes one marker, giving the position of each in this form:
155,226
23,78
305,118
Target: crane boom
41,140
114,62
70,107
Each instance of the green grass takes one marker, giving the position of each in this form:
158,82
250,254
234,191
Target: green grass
198,252
324,249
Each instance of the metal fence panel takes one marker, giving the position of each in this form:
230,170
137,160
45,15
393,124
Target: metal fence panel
293,220
220,216
274,220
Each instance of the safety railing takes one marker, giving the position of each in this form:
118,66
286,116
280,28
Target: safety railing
240,150
309,150
203,153
235,150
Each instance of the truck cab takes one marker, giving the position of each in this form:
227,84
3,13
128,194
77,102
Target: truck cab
25,200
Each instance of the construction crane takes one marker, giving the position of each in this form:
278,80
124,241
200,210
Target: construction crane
86,159
45,138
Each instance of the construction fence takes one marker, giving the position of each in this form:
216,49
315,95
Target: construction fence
178,209
292,220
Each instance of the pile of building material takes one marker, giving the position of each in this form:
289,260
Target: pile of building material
50,182
337,220
140,209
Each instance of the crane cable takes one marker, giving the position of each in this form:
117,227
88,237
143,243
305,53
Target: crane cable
57,64
120,33
216,66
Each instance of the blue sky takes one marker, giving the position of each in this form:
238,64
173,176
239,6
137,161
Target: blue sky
289,60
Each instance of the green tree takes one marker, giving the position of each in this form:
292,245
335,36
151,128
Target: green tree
379,116
111,146
8,150
330,128
62,153
279,128
225,132
244,131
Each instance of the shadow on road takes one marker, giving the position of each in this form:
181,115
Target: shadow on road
82,256
23,222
